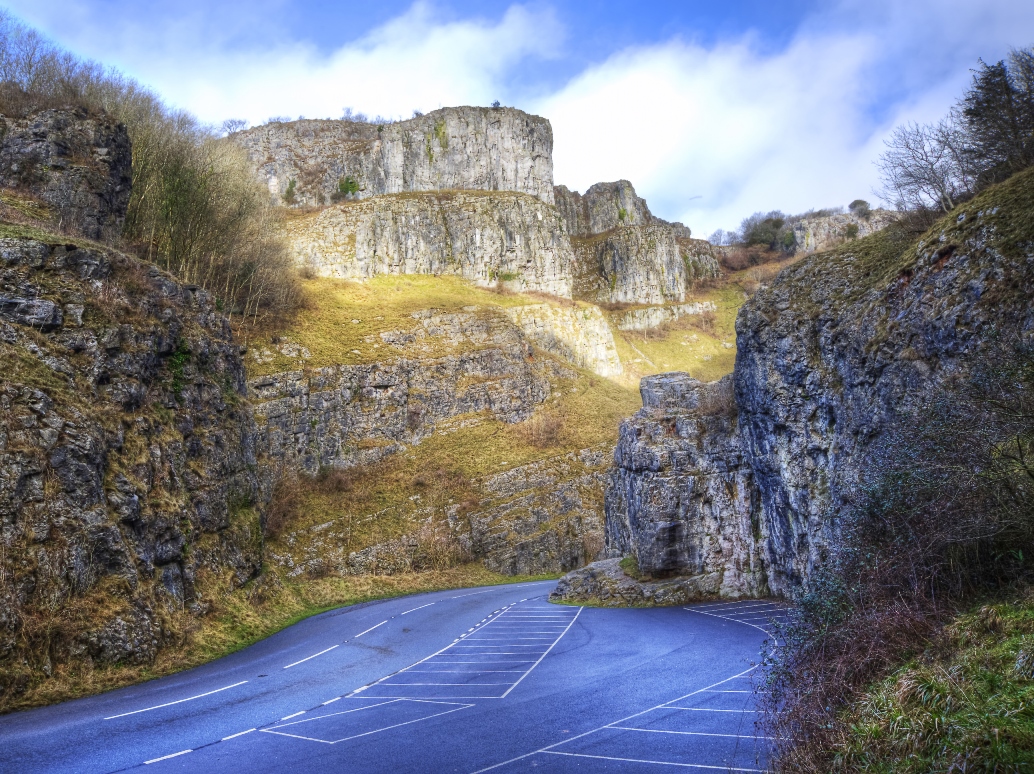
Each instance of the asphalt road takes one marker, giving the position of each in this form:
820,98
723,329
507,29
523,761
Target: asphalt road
490,679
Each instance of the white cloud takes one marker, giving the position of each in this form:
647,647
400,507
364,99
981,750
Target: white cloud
740,126
748,131
415,61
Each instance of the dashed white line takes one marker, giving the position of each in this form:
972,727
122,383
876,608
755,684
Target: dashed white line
302,661
371,629
234,736
166,757
336,698
180,701
418,608
292,716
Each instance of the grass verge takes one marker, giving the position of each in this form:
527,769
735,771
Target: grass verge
244,616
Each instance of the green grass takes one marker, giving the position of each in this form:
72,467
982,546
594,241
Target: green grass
342,320
966,705
691,344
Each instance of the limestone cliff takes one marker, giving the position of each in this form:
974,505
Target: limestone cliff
341,416
626,255
814,234
488,238
313,162
829,356
127,457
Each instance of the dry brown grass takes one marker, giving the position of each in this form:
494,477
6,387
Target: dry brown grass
544,430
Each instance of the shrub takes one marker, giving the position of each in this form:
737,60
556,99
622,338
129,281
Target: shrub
851,232
346,186
861,208
943,513
195,208
543,430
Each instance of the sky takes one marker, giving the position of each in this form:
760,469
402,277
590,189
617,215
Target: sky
714,110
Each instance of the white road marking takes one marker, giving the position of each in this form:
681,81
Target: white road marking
549,748
418,608
180,701
166,757
642,760
371,629
292,716
559,637
688,733
708,709
331,701
234,736
367,733
296,663
486,591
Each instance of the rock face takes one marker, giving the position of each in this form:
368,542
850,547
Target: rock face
681,498
127,457
822,233
630,265
829,357
355,415
487,238
463,148
647,317
625,255
579,335
543,517
74,164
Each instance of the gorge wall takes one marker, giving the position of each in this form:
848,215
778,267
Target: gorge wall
467,191
743,496
466,148
487,238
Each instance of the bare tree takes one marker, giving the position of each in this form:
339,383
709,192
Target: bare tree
925,166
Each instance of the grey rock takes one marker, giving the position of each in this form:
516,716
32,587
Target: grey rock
455,148
76,164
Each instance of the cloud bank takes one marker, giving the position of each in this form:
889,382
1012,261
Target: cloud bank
707,133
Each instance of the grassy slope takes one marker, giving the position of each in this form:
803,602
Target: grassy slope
967,704
244,616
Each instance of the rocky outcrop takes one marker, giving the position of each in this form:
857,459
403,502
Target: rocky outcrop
681,497
625,255
314,162
814,234
577,334
510,238
648,317
127,458
74,166
631,265
830,359
606,583
345,415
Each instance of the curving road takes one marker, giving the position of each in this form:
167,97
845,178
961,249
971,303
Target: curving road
490,679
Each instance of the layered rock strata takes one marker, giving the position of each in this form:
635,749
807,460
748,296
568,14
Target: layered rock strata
831,359
345,415
814,234
577,334
314,162
76,167
127,458
507,238
648,317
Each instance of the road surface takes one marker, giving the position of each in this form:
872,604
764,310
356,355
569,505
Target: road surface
488,679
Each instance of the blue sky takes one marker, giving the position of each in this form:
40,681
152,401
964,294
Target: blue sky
712,109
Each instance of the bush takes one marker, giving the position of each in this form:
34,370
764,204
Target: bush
543,430
195,208
944,514
861,208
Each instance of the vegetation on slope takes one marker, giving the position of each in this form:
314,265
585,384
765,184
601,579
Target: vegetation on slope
943,516
195,209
